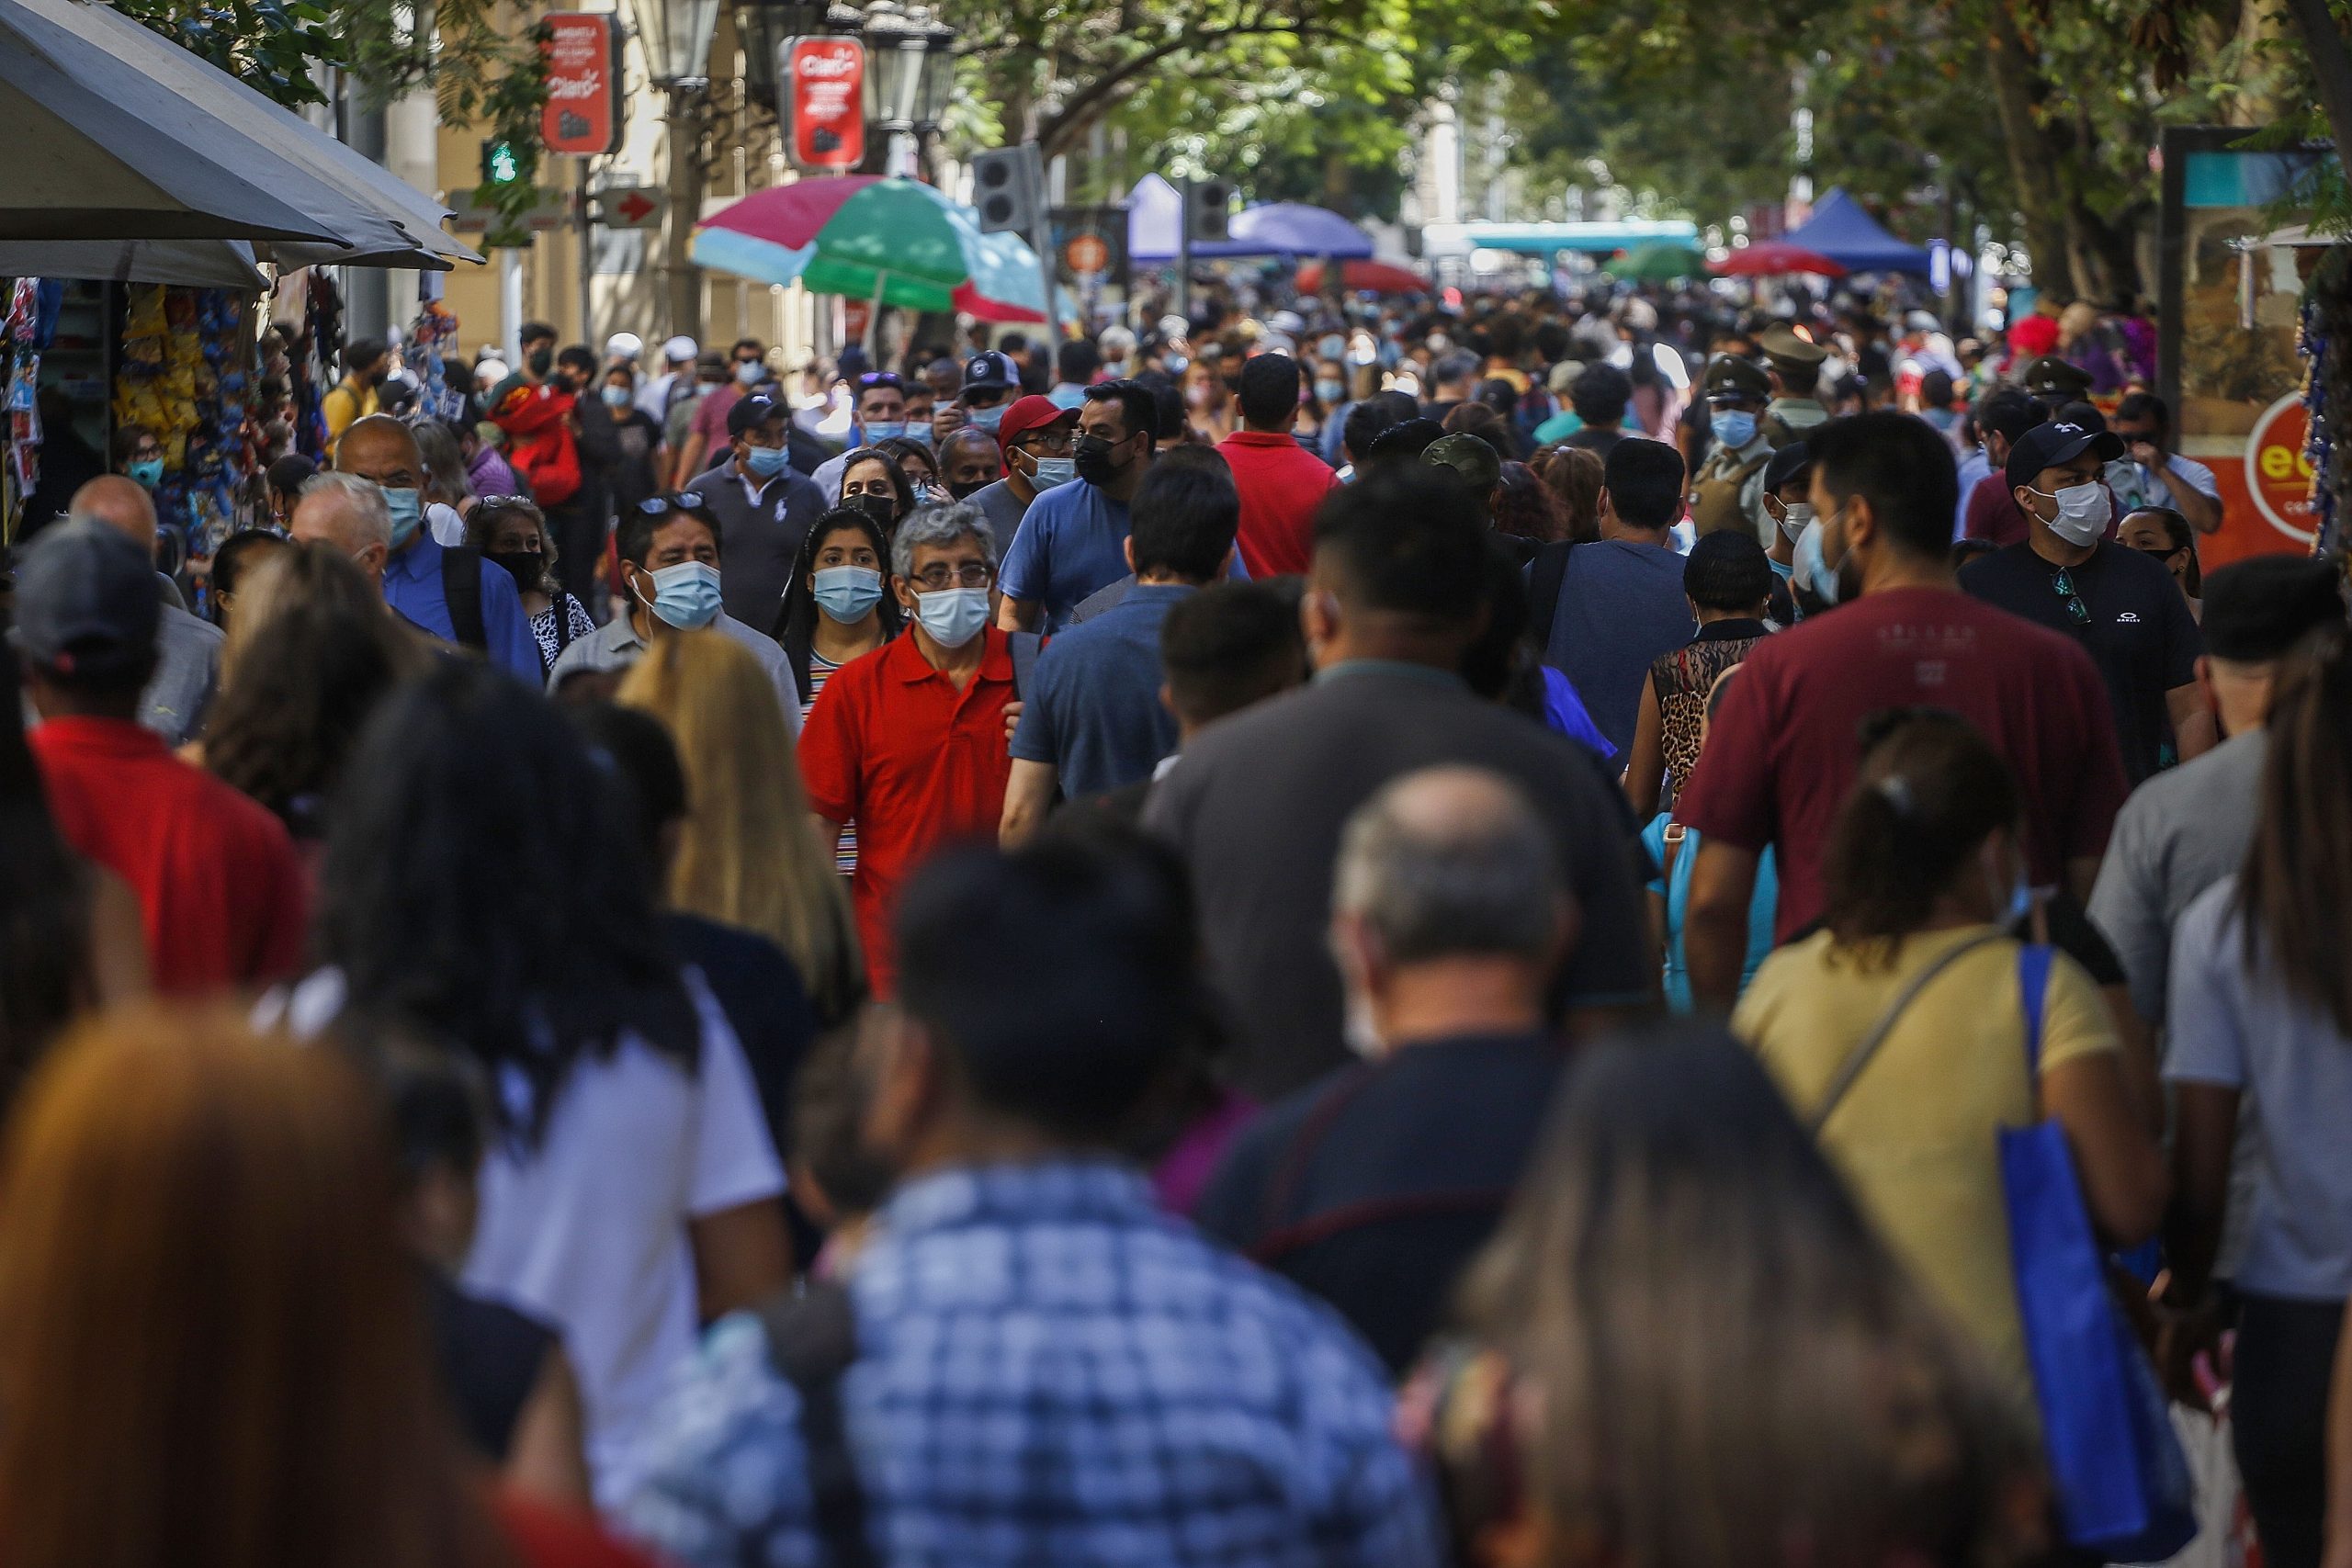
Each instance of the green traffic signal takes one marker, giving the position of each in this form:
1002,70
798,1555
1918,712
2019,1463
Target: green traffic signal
500,163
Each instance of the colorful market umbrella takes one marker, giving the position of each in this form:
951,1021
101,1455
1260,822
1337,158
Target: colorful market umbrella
897,241
1365,278
1770,258
1657,263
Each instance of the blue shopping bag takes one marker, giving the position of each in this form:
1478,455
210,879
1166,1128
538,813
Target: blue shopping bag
2122,1482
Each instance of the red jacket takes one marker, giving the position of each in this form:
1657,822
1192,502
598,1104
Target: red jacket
537,423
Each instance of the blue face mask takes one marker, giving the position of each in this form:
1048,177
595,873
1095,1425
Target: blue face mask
986,419
848,593
147,473
407,508
1816,573
953,617
1734,428
617,397
685,595
766,461
883,429
1052,472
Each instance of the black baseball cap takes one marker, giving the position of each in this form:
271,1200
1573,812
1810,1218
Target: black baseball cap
2059,440
1788,463
750,413
2257,609
990,372
86,606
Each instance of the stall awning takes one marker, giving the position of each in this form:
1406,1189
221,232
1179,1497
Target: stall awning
1841,230
1541,239
116,133
193,264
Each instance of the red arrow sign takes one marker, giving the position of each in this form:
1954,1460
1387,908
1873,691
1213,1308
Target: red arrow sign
637,207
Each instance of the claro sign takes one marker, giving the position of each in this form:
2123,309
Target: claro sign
826,101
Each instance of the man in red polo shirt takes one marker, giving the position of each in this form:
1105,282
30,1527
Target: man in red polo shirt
908,741
1784,750
1282,483
220,887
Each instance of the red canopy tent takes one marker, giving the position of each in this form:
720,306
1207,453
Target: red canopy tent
1366,277
1770,258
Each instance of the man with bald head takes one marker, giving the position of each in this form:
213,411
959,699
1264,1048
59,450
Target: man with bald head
448,591
969,461
1374,1187
187,652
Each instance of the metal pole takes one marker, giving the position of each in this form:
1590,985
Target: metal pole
685,296
582,236
1184,254
510,305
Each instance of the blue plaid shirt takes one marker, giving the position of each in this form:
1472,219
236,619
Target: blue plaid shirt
1052,1371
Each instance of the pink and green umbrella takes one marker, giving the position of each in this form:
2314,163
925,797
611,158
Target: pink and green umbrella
895,241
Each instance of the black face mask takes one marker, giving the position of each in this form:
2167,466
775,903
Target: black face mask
1092,456
541,361
528,568
971,488
883,509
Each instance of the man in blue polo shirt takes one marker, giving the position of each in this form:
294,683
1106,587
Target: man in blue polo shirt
1094,720
1074,540
415,576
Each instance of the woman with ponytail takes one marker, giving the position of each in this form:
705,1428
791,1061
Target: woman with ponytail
2261,1005
1898,1031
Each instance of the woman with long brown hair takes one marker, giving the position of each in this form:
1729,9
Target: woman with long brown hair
2261,1003
748,855
1687,1346
210,1349
1923,875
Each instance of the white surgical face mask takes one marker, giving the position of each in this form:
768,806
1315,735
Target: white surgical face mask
1794,517
2083,512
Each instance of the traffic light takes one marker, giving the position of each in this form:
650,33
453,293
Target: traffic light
1006,183
501,163
1207,207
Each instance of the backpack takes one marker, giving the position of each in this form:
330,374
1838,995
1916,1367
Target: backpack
1545,573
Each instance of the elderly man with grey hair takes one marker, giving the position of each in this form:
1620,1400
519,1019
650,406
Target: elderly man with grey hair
188,650
1374,1187
348,513
908,741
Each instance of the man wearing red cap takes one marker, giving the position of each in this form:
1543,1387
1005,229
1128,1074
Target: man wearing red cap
1035,435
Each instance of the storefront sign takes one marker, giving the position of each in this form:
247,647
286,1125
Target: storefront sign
582,118
2279,470
825,96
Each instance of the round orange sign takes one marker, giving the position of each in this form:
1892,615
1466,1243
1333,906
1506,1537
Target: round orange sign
1087,252
2278,470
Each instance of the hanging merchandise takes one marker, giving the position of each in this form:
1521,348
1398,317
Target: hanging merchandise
25,334
430,348
2325,344
184,369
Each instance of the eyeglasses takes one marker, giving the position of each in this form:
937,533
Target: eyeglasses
2076,610
1051,442
971,574
684,500
873,379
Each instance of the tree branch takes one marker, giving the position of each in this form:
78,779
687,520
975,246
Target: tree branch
1081,108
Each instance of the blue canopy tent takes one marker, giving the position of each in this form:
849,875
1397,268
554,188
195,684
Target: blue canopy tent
1841,230
1156,215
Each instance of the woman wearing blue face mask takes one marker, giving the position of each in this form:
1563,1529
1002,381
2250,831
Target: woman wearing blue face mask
837,610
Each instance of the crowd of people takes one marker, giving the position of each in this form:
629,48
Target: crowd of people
1378,937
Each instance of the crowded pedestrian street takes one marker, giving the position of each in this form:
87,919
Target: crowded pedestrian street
808,785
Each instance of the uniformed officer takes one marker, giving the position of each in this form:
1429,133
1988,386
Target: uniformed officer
1796,368
2054,383
1727,491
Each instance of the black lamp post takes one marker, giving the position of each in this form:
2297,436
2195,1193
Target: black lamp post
910,72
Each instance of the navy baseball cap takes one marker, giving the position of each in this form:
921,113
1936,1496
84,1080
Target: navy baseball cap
2059,440
751,413
990,372
86,603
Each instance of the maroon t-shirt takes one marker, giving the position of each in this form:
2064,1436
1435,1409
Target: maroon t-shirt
1784,750
1993,512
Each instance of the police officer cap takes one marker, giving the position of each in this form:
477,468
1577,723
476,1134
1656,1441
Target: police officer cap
1783,347
2052,376
1729,375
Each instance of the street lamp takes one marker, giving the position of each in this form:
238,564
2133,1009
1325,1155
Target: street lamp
766,26
676,36
910,72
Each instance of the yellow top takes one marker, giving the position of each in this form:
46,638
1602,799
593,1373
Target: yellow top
342,406
1916,1136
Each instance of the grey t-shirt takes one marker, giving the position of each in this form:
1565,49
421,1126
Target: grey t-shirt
2238,1026
2181,832
188,662
1003,510
1255,805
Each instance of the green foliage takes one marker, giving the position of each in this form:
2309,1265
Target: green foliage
268,45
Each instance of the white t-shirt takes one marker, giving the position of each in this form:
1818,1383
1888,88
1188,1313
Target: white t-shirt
588,1231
